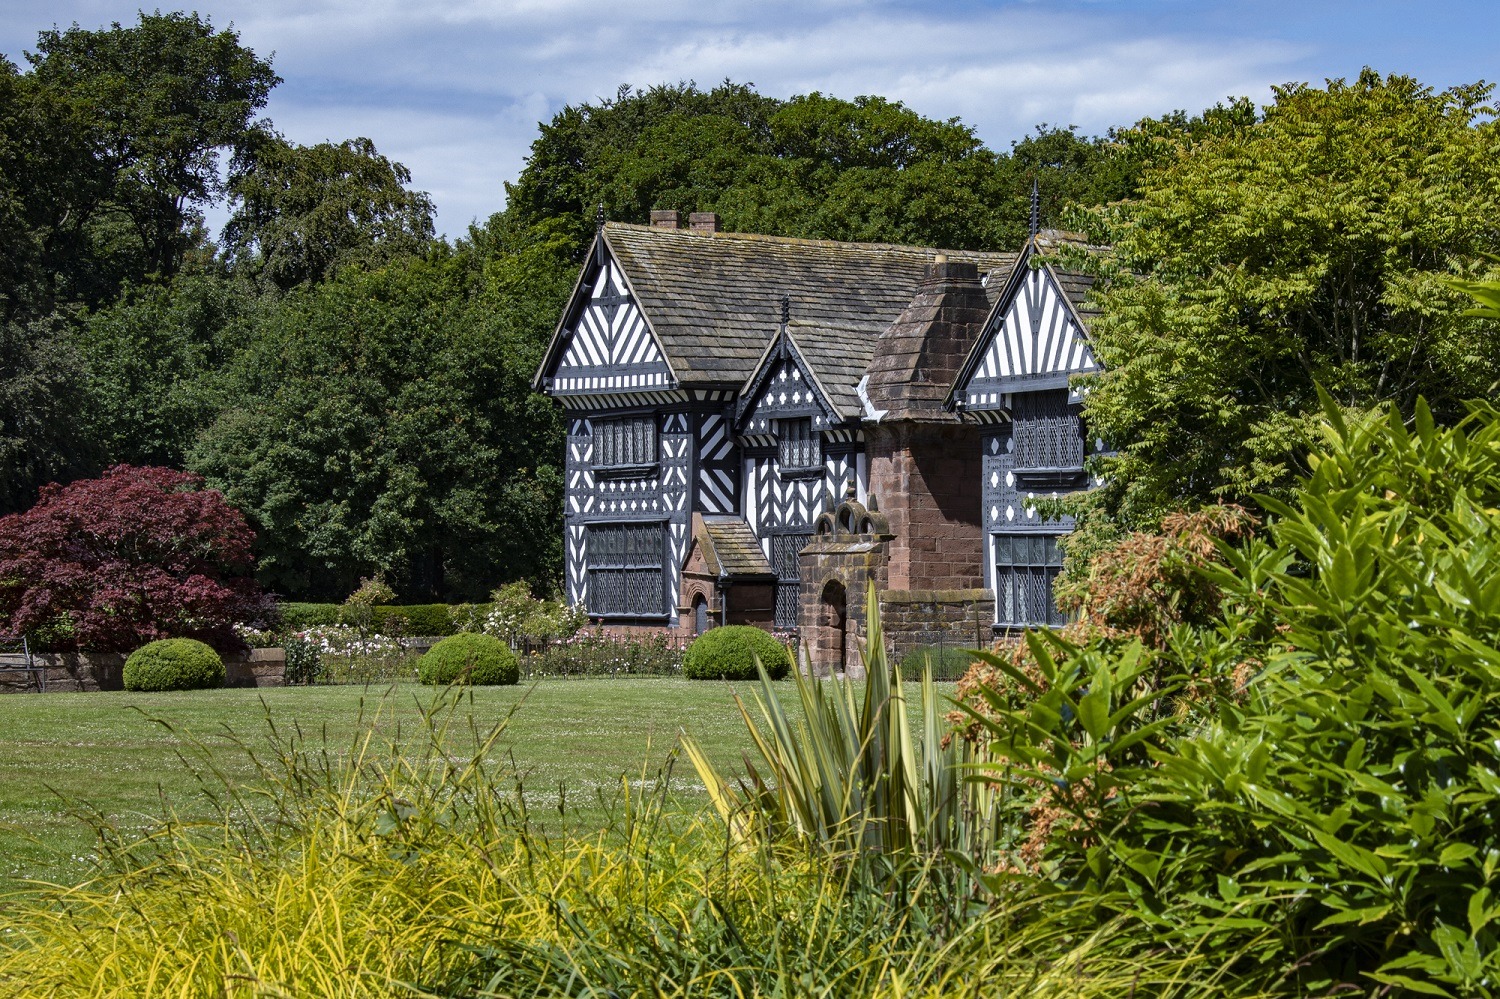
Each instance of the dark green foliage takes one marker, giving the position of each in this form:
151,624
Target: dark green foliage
406,619
425,620
155,362
813,166
174,664
301,616
1316,788
1265,256
42,436
304,211
385,424
730,653
160,100
480,660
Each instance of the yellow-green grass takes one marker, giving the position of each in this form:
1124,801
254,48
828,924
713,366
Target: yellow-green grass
107,752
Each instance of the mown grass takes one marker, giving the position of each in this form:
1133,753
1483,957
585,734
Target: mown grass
571,742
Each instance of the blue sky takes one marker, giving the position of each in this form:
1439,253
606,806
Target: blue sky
454,89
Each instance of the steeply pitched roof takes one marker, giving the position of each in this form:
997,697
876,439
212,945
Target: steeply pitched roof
729,548
712,299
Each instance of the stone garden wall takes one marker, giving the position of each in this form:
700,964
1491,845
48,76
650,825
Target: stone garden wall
78,671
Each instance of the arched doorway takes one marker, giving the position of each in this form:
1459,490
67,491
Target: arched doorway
833,626
700,615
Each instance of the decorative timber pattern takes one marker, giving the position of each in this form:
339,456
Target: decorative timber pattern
718,466
610,348
1036,343
676,443
783,504
787,392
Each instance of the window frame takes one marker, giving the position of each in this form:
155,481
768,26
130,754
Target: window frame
631,561
642,440
797,437
1022,571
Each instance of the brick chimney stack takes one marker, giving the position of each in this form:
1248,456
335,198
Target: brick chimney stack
925,464
704,221
666,218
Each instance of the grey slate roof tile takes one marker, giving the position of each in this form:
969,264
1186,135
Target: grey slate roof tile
713,300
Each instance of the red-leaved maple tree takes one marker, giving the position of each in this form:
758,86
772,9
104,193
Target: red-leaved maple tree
137,554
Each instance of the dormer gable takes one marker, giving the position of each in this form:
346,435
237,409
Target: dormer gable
1034,339
604,342
783,387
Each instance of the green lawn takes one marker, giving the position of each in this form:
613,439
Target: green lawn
104,749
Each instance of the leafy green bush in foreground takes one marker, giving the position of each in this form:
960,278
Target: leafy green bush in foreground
173,664
1322,794
730,653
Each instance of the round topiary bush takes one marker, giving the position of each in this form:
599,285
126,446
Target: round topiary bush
482,660
729,653
174,664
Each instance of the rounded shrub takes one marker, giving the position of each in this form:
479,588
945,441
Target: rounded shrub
174,664
482,660
729,653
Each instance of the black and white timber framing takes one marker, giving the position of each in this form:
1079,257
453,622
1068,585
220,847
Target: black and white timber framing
686,392
1019,381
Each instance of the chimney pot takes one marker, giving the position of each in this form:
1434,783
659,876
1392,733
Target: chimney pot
666,218
704,221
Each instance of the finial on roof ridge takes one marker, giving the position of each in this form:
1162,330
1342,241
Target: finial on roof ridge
599,218
1036,210
786,309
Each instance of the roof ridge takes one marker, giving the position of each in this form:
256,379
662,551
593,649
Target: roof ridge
757,237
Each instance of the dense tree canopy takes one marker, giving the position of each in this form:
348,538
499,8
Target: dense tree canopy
384,422
302,211
1267,256
814,166
160,101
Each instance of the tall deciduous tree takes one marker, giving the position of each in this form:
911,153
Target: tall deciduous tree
384,422
302,211
1266,257
162,100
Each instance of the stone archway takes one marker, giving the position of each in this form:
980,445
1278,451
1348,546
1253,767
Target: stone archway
831,633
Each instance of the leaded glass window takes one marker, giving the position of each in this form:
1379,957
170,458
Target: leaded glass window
627,441
785,560
1047,431
1026,566
625,569
801,447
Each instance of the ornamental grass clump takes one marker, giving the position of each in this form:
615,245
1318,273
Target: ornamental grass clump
730,653
480,660
174,664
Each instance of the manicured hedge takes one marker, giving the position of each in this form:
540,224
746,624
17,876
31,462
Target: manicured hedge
729,653
413,619
297,616
174,664
480,660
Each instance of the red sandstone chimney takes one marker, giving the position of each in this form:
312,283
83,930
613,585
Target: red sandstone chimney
917,358
925,464
704,221
666,218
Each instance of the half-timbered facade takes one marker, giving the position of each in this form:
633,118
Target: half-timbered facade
1019,383
724,392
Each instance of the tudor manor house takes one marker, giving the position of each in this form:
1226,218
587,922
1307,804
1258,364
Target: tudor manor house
759,427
